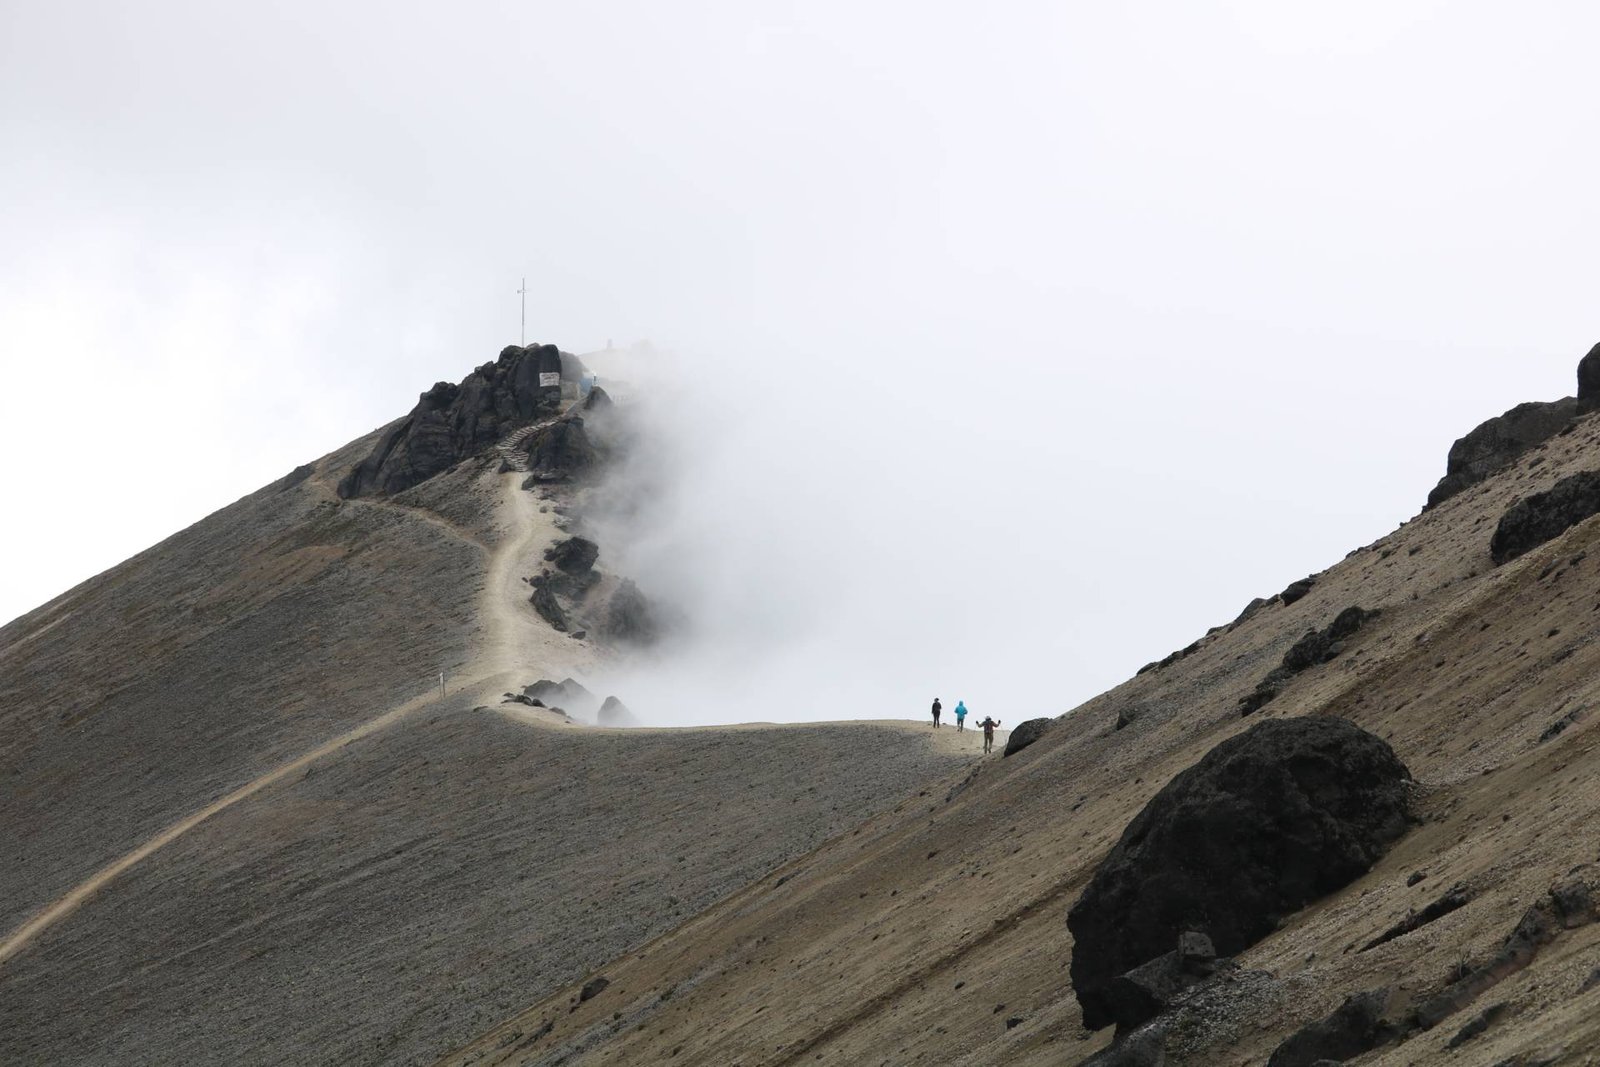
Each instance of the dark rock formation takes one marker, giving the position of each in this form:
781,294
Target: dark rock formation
549,608
597,398
1589,381
1455,899
452,422
593,988
293,478
1265,823
1362,1023
615,713
629,616
1316,647
1479,1023
568,694
1297,590
1026,734
575,555
1497,442
1250,610
1320,646
1565,907
560,452
1532,521
1134,998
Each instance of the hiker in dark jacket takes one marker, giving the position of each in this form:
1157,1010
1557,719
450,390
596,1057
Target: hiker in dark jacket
937,707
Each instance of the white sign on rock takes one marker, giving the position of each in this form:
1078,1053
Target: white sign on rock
549,378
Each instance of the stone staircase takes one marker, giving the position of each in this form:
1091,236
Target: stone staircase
510,447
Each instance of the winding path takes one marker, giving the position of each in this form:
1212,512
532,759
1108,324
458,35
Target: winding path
508,631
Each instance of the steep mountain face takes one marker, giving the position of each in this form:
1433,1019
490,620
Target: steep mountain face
937,933
244,821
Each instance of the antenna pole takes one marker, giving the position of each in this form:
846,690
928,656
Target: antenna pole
524,293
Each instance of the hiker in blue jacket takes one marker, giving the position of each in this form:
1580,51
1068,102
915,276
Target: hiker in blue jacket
961,715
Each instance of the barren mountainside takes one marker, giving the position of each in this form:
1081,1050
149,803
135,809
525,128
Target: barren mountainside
1353,824
937,932
241,824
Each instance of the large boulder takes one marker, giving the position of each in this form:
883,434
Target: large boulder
1589,381
574,555
1266,822
1025,735
1497,442
453,422
560,452
1532,521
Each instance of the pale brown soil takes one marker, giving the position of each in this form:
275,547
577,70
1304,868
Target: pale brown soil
242,826
914,938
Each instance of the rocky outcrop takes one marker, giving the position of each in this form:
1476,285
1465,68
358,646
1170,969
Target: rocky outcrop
1589,381
549,608
1497,442
629,616
453,422
1316,647
615,713
1542,517
1362,1023
559,452
1296,591
1134,998
1026,734
575,555
1265,823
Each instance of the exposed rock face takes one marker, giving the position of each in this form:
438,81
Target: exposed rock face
629,616
452,422
1317,646
1141,994
1265,823
1026,734
1500,440
549,608
1297,591
559,452
1589,381
1360,1024
1320,646
1542,517
575,555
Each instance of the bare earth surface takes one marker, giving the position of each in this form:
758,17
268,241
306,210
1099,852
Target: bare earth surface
242,826
914,939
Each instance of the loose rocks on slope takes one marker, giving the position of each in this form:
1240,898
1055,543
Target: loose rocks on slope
1265,823
1542,517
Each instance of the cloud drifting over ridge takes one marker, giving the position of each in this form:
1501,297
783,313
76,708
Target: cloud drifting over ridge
1024,349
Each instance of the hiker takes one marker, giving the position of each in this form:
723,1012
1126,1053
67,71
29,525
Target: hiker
937,707
988,725
961,716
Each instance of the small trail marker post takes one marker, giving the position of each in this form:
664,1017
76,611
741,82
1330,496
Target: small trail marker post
523,334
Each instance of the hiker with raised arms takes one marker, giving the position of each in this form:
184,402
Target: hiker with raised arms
988,725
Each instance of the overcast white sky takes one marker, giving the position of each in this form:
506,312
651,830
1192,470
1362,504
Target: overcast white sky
1039,337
